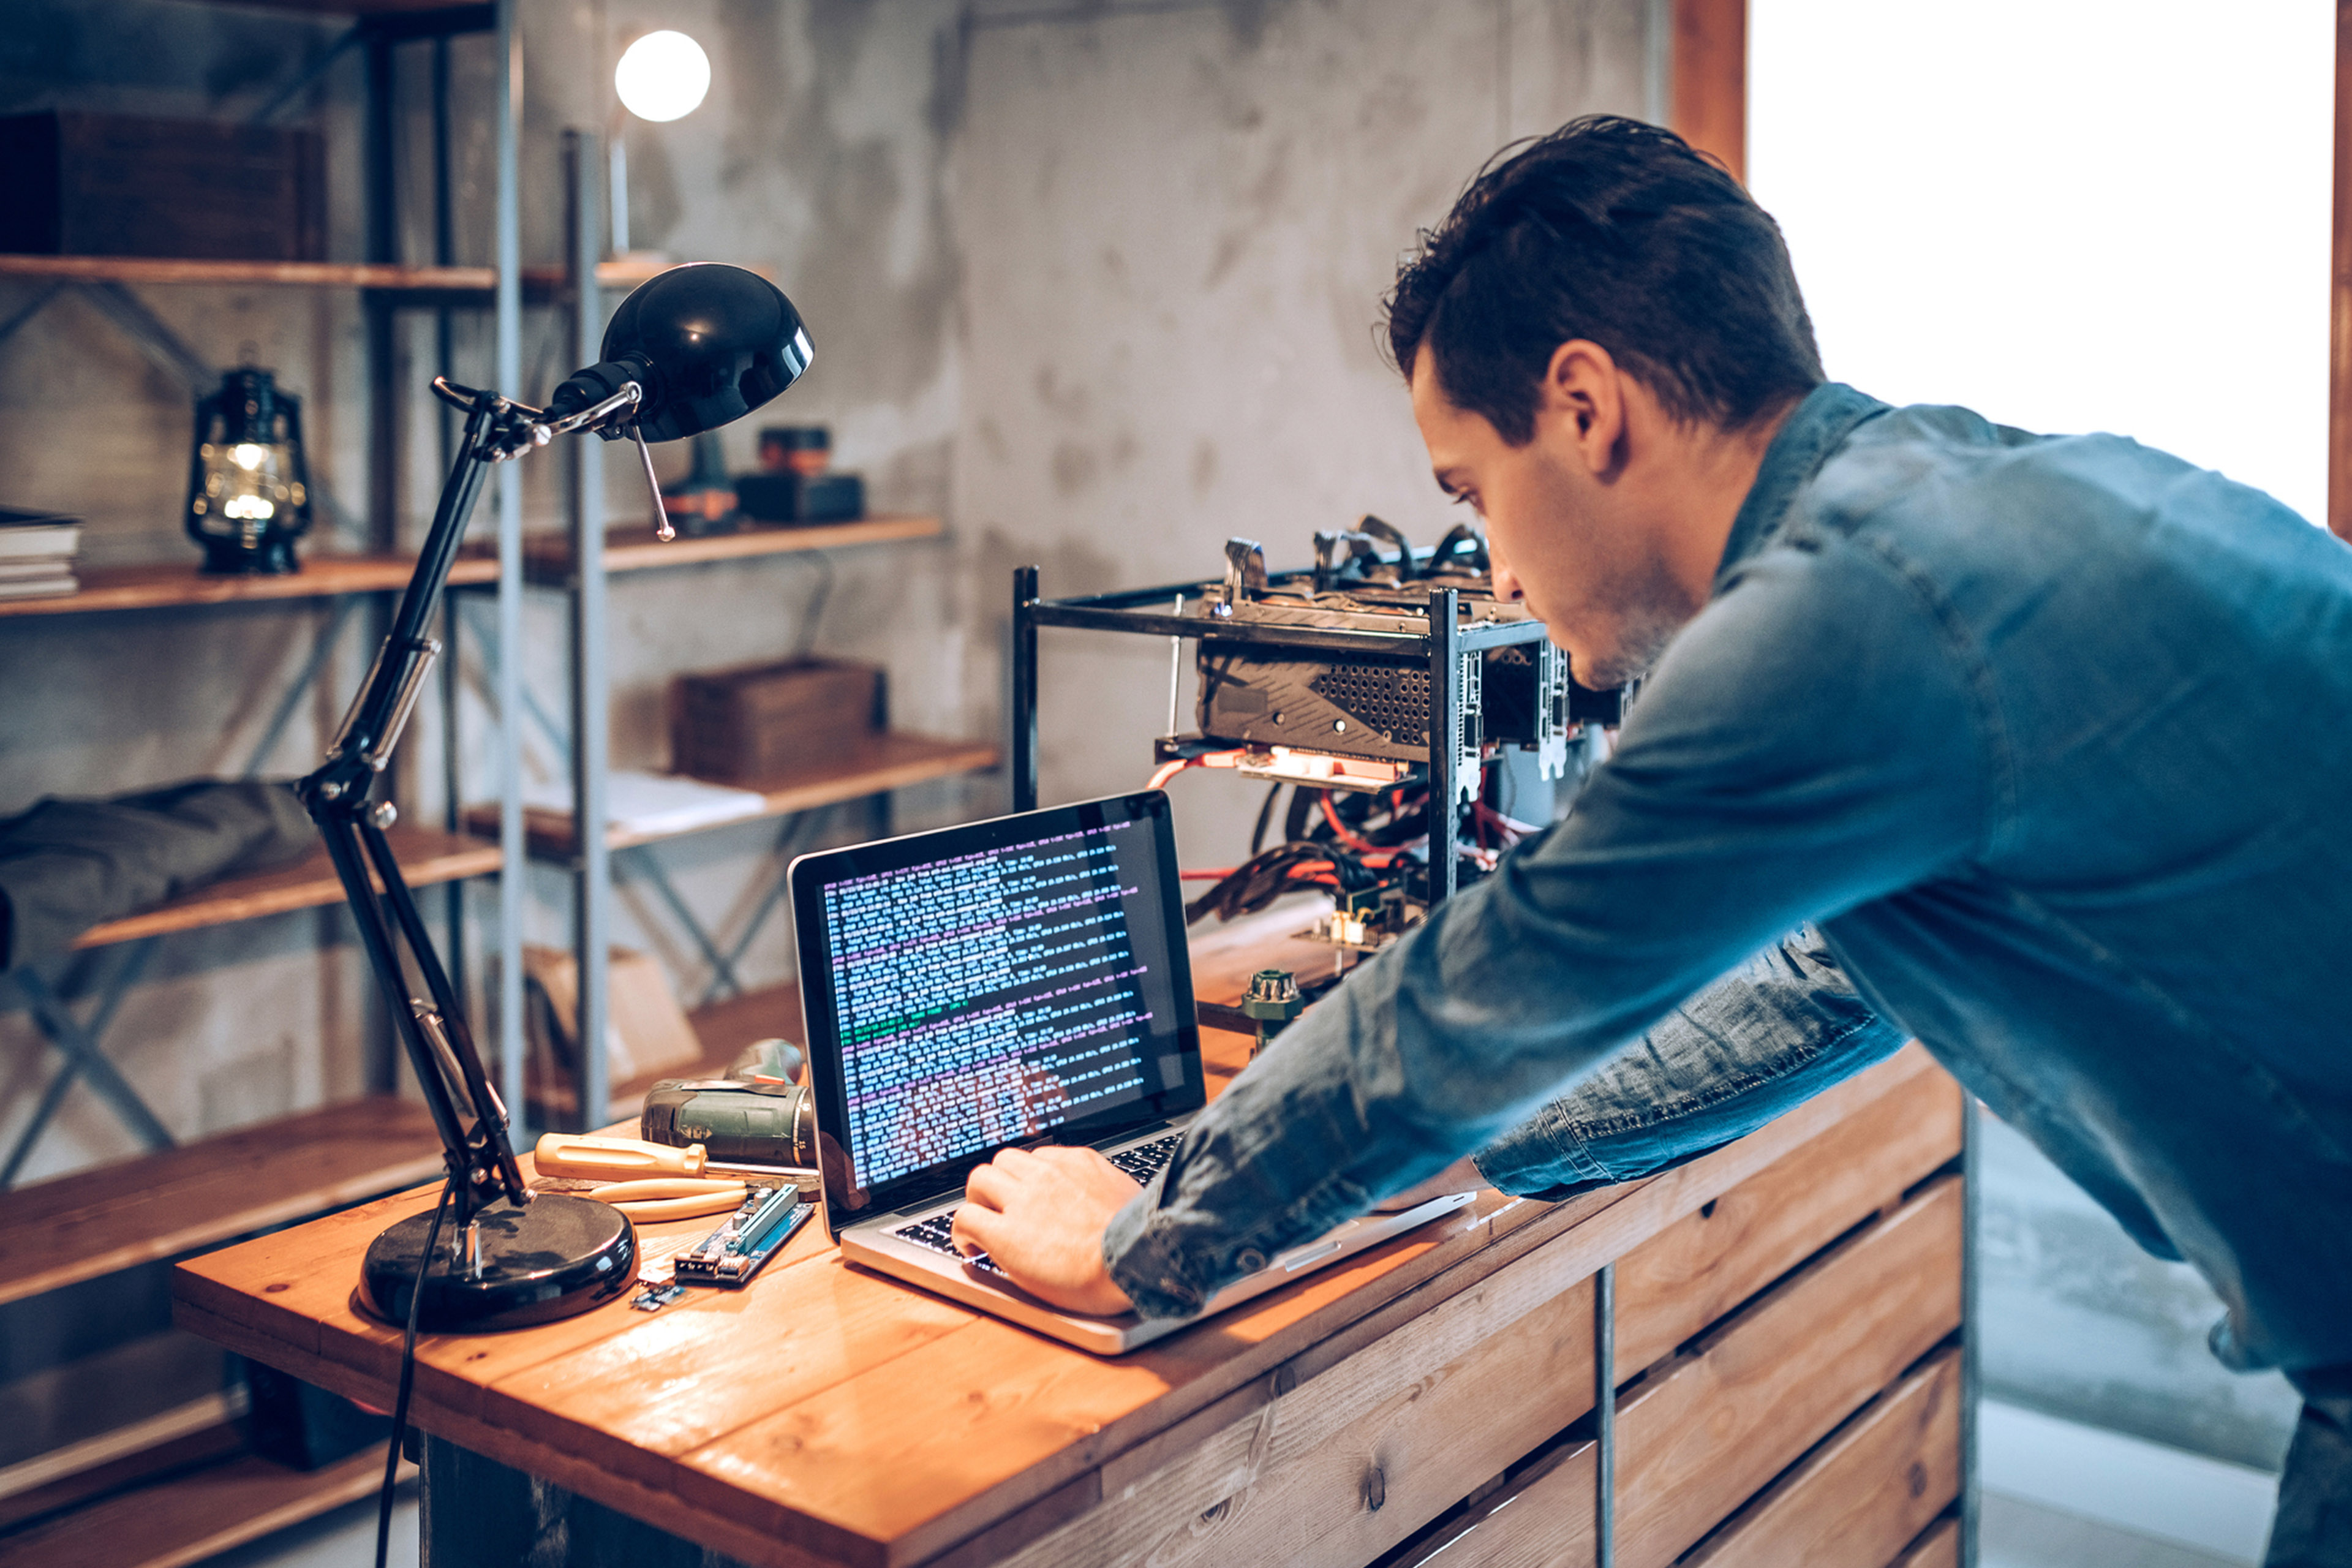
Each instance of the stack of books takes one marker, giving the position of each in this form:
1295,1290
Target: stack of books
37,554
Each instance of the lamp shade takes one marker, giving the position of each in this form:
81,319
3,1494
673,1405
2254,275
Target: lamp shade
716,342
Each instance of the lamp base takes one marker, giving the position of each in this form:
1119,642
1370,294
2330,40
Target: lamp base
550,1258
232,558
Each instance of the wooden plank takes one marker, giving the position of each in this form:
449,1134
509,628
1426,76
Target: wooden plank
886,761
1858,1499
1705,1264
173,584
165,1456
1708,92
152,270
541,282
2339,312
1334,1472
631,547
1541,1519
426,856
158,1205
193,1516
1706,1432
1937,1547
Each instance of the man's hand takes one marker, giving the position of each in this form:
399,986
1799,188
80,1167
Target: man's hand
1040,1215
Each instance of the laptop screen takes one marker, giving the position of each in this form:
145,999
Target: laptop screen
1007,982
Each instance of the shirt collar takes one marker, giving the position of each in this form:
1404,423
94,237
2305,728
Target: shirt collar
1815,428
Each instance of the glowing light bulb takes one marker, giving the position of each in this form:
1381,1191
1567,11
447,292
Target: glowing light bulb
662,76
247,456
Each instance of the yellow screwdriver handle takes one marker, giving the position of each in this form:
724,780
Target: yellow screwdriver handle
662,1187
653,1210
614,1159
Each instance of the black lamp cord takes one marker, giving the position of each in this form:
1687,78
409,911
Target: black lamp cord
407,1378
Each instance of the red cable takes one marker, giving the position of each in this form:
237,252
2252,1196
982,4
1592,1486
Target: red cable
1352,839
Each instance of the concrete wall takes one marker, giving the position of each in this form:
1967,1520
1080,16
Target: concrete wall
1178,223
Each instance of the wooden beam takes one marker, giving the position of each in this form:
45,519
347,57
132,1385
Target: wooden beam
2340,334
1707,83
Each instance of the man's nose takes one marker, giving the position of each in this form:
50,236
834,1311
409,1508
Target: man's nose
1507,582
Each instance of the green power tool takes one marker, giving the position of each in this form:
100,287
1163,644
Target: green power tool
760,1119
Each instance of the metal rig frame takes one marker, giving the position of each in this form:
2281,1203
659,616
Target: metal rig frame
1454,650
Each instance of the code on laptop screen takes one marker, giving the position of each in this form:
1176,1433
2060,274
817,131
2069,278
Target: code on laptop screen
986,998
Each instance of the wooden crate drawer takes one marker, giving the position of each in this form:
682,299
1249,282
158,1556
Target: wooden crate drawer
1344,1466
1859,1499
1544,1516
1710,1260
1706,1431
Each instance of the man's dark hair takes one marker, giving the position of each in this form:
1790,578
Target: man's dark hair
1617,232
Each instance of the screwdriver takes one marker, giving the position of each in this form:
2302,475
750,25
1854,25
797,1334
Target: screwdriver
612,1159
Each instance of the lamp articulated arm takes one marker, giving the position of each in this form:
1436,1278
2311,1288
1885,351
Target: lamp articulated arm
465,1111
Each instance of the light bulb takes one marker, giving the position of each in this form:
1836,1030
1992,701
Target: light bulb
662,76
247,456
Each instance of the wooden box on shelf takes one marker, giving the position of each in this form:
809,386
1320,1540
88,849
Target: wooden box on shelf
767,721
82,183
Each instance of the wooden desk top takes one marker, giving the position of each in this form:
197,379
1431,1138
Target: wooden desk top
830,1415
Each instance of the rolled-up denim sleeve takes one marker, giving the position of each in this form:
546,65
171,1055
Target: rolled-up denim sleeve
1762,1040
1813,740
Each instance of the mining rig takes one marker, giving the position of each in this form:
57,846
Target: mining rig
1380,686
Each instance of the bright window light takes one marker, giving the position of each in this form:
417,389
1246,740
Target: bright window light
2067,214
662,76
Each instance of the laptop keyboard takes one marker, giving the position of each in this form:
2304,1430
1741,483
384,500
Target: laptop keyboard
1146,1161
933,1233
1143,1161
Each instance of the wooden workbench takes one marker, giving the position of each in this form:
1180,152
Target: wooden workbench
1785,1356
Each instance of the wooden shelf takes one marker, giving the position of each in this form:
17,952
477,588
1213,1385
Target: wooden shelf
175,583
196,1515
426,855
538,282
71,1228
886,761
631,547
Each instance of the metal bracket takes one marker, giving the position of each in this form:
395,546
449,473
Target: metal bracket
1552,722
1469,734
1244,575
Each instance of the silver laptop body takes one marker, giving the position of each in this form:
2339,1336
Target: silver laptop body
1005,984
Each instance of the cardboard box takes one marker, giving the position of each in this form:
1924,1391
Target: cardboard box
763,723
647,1032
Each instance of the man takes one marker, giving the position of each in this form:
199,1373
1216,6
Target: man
2047,735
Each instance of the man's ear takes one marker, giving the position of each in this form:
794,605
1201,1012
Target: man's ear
1582,403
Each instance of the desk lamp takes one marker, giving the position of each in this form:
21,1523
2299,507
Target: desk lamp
689,351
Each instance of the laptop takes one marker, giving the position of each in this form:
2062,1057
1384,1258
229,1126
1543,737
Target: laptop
1003,984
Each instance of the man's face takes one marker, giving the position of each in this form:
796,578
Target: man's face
1567,533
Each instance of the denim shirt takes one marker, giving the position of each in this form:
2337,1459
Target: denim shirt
2047,737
